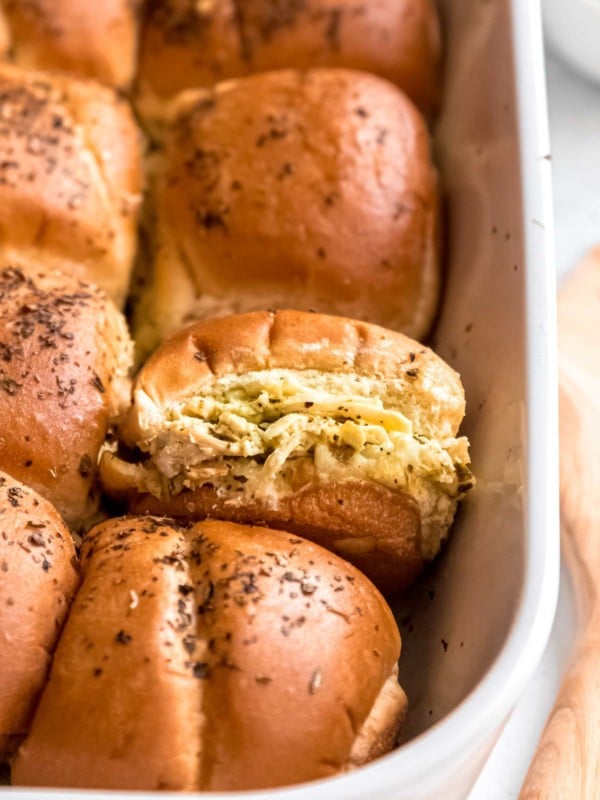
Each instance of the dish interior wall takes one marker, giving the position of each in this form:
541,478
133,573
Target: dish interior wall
455,622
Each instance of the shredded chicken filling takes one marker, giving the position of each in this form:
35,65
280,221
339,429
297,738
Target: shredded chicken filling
258,437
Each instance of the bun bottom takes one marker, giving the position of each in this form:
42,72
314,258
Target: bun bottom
381,730
373,527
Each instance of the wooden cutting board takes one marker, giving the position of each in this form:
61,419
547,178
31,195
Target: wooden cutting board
567,763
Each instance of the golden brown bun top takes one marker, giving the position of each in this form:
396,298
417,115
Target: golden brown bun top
65,354
188,44
92,39
70,176
194,359
38,576
310,190
220,657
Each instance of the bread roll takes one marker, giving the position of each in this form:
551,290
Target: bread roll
94,40
38,577
216,657
295,190
65,355
186,44
70,177
334,429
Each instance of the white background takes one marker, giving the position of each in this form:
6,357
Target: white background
575,138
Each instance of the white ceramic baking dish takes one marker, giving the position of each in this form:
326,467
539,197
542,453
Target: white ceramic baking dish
475,628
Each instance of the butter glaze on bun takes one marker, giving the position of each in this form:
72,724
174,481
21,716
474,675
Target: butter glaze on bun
70,177
65,355
214,657
311,190
94,40
38,577
188,44
336,429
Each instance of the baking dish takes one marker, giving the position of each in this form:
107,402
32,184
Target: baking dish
475,627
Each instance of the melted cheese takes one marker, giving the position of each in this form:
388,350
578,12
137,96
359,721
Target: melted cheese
253,433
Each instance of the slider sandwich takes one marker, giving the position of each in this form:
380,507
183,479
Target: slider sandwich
194,43
38,578
309,190
70,177
338,430
93,40
65,355
214,657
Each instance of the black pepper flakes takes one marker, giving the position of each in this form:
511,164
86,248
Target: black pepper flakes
210,220
200,670
14,495
286,170
85,466
122,637
273,135
10,386
332,31
97,383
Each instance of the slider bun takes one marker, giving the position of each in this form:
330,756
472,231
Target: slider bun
195,359
214,657
187,44
375,528
95,40
308,190
39,576
387,517
65,355
70,177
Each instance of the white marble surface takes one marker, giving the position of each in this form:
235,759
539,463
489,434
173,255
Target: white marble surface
575,132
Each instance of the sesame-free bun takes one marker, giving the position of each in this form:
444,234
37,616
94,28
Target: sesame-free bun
309,190
65,355
338,430
188,44
38,579
214,657
94,40
70,177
